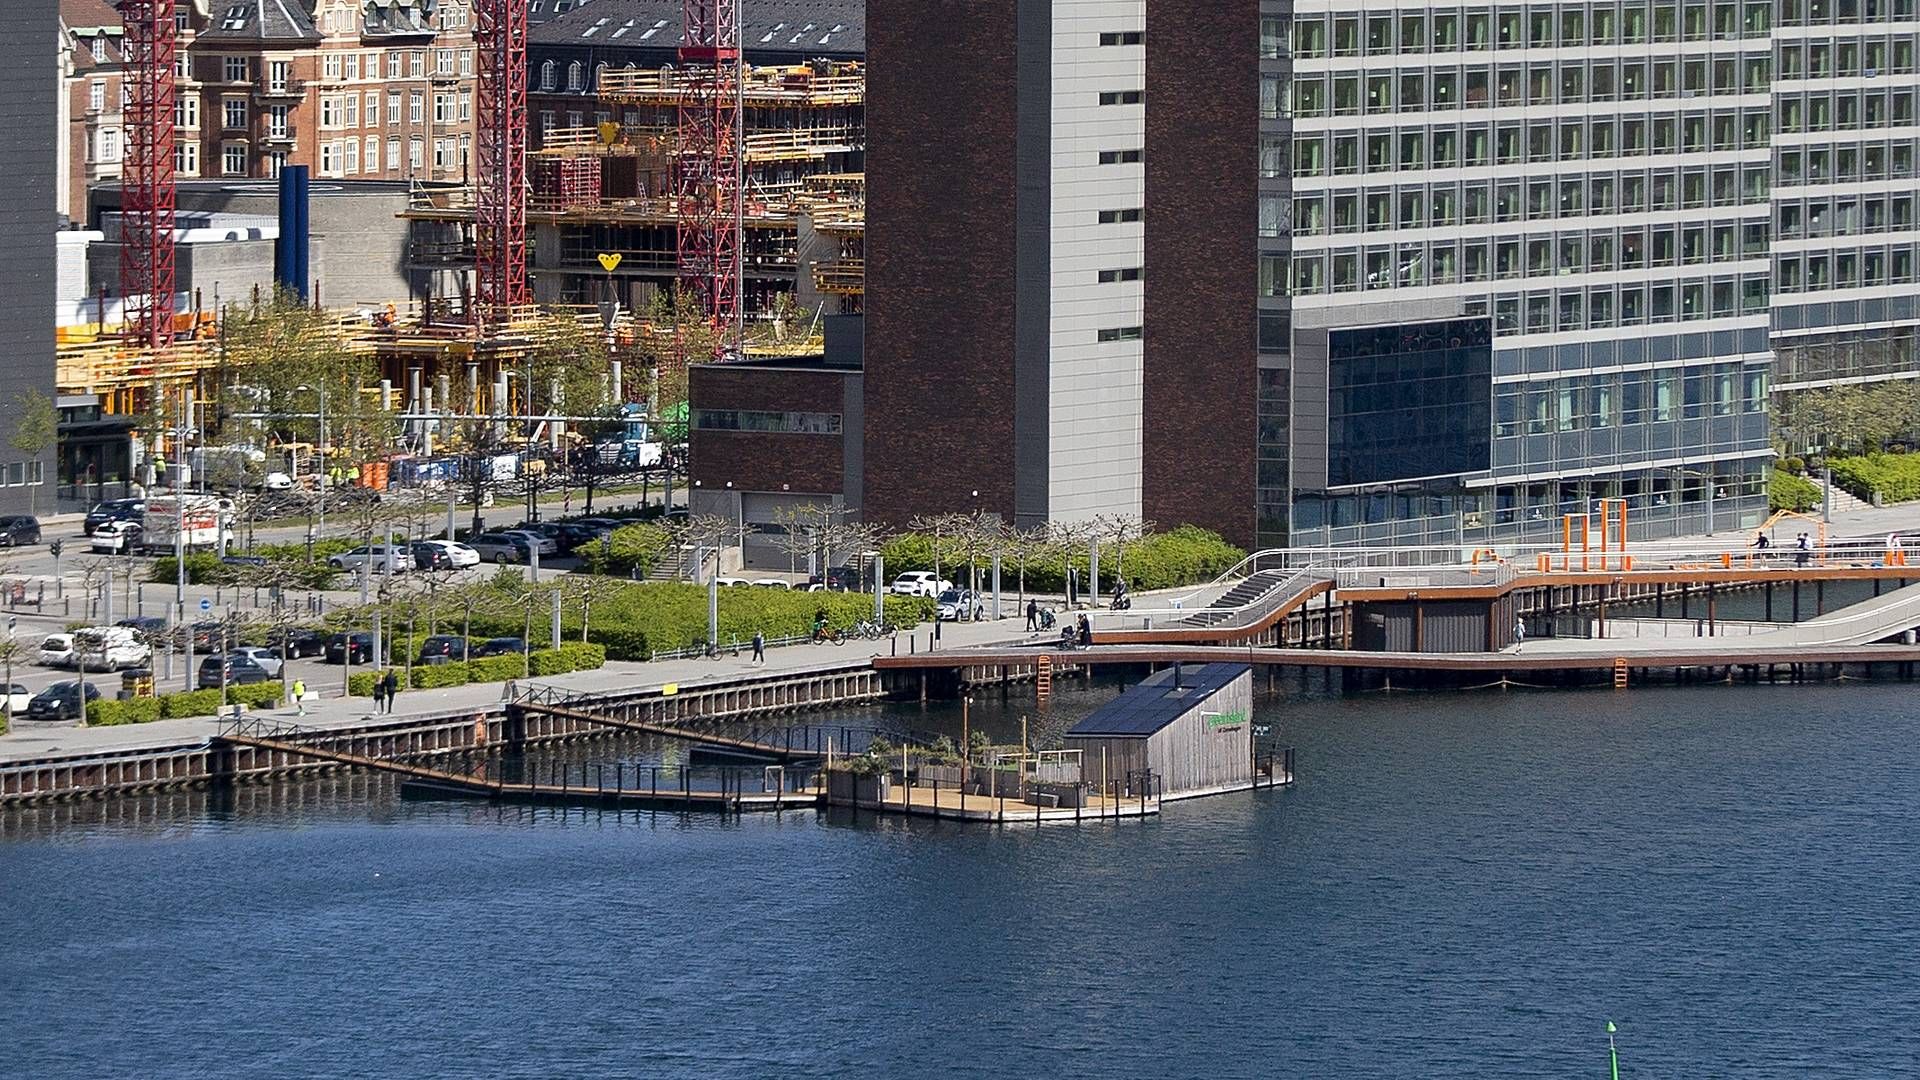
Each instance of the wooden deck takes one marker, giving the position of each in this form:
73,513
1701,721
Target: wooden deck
953,805
1641,653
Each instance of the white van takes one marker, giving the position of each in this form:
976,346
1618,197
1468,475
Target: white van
110,648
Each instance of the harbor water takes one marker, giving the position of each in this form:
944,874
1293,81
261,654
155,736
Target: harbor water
1461,885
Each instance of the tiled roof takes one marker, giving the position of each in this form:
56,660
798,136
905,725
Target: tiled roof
801,28
79,13
254,21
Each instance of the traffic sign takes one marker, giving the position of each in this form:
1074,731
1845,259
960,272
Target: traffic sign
206,604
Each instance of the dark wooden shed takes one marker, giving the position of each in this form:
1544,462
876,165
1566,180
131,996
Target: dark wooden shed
1191,726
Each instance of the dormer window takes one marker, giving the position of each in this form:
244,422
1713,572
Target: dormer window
236,18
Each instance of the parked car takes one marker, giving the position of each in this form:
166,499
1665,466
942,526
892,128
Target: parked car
957,604
441,648
208,636
61,701
773,583
116,538
14,701
728,582
837,579
18,529
574,535
253,561
239,670
444,554
301,642
151,627
499,547
110,648
545,545
600,524
259,654
354,648
56,651
397,558
919,583
113,510
500,646
276,481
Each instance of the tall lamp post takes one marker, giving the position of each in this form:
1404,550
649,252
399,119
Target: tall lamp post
320,451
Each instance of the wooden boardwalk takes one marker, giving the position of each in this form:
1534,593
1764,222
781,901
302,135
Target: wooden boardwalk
953,805
1638,654
749,747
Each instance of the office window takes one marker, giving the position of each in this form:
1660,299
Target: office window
1123,37
330,158
233,68
1119,333
416,154
97,96
1128,273
1122,97
233,113
186,158
373,108
372,154
233,159
416,106
1115,217
350,159
393,106
1120,157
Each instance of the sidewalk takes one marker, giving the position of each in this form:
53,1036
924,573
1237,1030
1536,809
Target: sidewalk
33,740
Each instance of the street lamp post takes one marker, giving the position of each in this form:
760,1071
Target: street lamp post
320,451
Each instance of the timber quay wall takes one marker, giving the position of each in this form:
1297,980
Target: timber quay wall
210,761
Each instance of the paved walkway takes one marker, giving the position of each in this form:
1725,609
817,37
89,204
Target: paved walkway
29,739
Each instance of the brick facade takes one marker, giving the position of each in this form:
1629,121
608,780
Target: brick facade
767,461
1202,164
940,255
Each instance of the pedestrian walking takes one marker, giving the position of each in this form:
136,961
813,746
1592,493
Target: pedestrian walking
1802,550
1033,615
379,693
759,648
300,696
393,687
1519,634
1762,542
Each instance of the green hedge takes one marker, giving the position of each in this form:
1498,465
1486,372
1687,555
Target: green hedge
191,703
1786,491
115,713
1185,556
207,569
634,620
1894,477
437,676
629,549
360,684
571,656
496,668
264,695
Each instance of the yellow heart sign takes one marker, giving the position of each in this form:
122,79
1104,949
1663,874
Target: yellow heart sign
609,131
609,262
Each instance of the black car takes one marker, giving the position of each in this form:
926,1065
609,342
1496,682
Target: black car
240,669
572,536
441,648
300,643
18,529
354,648
61,701
429,557
147,626
113,510
838,579
208,636
500,646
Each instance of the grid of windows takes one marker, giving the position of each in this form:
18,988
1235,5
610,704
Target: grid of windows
793,423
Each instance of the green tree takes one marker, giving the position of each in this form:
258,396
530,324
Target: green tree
35,426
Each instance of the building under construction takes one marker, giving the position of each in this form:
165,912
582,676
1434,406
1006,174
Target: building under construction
603,94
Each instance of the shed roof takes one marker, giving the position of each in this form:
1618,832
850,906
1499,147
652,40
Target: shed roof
1156,701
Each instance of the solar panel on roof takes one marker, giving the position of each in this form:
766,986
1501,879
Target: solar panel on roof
1155,701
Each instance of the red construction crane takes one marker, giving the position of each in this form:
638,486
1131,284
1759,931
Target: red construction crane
146,186
500,224
708,179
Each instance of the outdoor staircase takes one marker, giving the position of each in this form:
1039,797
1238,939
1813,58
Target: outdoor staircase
1842,501
1228,604
671,567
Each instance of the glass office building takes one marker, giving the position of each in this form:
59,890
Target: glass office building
1644,204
